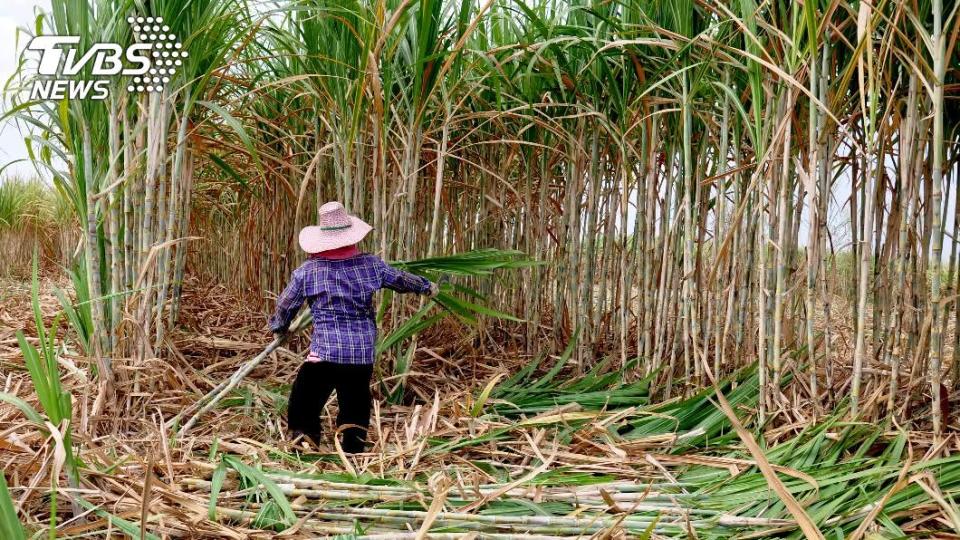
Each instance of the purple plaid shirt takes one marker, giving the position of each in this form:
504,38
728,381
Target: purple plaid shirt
340,292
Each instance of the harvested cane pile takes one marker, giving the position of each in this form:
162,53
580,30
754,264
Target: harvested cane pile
480,447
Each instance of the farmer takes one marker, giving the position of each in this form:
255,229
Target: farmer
338,281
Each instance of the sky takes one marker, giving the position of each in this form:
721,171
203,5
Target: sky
14,14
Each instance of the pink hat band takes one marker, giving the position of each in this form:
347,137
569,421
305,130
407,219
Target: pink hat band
335,229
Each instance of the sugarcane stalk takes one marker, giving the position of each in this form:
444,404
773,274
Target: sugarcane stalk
784,105
689,325
114,224
130,183
762,240
573,524
170,224
315,488
865,67
936,173
823,188
184,225
92,257
908,138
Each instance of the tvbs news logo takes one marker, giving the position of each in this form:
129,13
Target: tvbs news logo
149,64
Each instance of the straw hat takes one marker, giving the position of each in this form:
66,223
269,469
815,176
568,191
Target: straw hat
336,229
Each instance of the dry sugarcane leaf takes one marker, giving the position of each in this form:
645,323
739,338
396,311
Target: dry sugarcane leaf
807,525
436,506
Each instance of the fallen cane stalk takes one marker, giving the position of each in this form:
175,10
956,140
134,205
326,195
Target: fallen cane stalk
394,535
370,492
214,396
579,524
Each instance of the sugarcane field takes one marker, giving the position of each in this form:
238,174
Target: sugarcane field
480,269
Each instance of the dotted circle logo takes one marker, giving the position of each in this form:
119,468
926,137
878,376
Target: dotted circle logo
166,56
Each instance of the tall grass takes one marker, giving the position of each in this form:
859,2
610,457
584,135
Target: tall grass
33,213
22,203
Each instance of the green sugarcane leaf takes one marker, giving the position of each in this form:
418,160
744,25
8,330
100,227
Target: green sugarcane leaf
413,325
10,527
648,532
35,296
83,306
258,478
63,109
484,395
73,317
237,128
468,311
561,362
25,407
37,375
385,300
130,528
520,376
216,483
225,167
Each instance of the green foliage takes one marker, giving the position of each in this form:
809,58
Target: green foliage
20,203
401,369
10,527
472,264
79,314
599,388
480,262
45,375
24,407
276,511
839,470
216,484
526,394
42,363
128,527
696,420
852,466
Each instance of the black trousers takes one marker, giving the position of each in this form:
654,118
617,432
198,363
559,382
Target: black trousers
311,390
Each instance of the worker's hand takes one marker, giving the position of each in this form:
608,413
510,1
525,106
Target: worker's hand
434,290
279,334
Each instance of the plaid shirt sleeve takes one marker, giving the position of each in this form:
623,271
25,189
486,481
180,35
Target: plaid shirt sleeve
288,304
404,282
